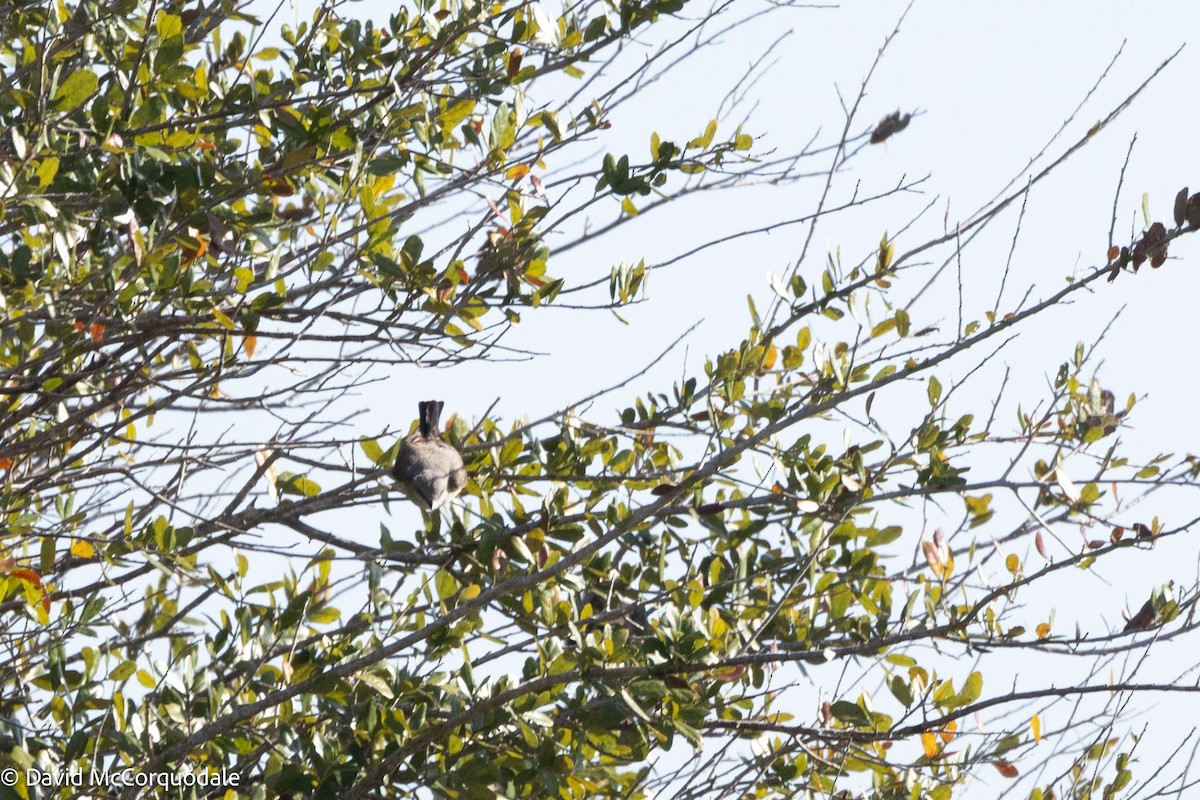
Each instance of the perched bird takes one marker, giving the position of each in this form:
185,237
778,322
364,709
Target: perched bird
427,469
1143,619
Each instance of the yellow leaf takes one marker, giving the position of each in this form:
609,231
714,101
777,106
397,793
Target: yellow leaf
82,549
1043,630
947,733
1035,725
224,319
469,593
929,744
517,172
1012,563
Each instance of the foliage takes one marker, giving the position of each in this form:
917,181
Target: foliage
197,219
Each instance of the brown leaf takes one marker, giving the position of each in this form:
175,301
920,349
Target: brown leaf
1006,768
1181,200
1138,256
537,186
663,489
514,63
1192,212
1040,543
710,508
1156,244
499,560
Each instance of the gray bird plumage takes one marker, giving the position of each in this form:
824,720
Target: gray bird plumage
429,470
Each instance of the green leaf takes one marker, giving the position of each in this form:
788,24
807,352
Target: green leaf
372,450
456,113
935,391
77,88
122,671
446,584
901,690
378,684
970,691
850,713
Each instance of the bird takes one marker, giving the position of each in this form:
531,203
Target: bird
427,469
1143,619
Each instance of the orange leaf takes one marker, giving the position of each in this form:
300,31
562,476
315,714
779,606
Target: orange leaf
97,331
769,359
947,733
28,576
203,145
1113,252
1043,630
1006,768
250,343
5,462
515,173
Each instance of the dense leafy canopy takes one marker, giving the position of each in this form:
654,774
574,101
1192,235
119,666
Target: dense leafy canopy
205,215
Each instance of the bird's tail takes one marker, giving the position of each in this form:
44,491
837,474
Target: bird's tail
430,413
